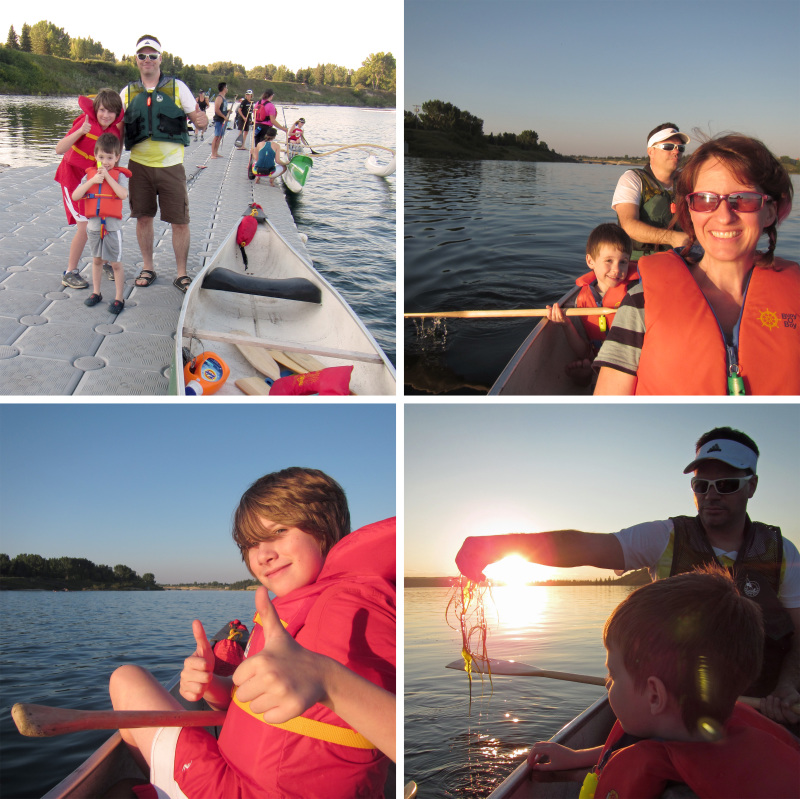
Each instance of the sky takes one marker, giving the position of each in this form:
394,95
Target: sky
498,468
300,35
153,486
592,77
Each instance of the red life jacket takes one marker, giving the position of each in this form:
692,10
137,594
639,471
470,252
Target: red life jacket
756,758
74,162
296,133
684,349
612,299
101,200
348,613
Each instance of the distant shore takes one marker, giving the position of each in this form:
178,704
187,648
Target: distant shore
638,577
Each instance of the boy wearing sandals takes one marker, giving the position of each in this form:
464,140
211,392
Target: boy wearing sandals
103,191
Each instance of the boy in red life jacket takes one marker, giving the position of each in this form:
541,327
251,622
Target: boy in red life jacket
102,114
102,193
679,653
311,708
608,254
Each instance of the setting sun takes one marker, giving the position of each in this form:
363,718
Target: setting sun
514,570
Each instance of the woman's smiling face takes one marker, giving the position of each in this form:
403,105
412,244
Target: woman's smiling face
725,234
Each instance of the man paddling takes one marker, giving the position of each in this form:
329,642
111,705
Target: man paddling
643,197
765,564
157,141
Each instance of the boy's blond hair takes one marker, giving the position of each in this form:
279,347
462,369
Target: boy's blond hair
108,143
611,234
697,634
108,99
296,497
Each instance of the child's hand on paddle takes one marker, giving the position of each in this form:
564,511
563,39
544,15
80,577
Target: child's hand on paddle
198,669
556,315
284,679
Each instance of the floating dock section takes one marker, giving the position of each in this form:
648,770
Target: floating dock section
53,344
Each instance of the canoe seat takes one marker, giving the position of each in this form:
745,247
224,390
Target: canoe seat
299,289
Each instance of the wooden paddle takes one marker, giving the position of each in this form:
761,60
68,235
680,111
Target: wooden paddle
510,668
259,358
521,312
41,721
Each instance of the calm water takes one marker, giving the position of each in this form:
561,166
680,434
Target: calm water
481,235
348,214
60,649
452,751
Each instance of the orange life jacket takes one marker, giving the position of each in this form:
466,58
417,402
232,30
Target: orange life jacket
596,330
643,770
101,201
684,348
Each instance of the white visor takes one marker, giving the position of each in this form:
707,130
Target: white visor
722,449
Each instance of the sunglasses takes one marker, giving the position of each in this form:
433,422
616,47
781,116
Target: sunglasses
725,485
745,201
145,56
669,146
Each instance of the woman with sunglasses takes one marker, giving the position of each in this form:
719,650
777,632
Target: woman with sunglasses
643,197
728,323
765,565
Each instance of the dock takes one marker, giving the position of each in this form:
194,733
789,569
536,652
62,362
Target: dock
53,344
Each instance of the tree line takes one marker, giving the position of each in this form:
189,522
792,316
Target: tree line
72,570
378,70
437,115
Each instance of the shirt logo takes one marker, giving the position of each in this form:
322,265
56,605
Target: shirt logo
716,448
751,588
187,766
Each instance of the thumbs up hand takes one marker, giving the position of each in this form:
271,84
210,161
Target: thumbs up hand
198,669
284,679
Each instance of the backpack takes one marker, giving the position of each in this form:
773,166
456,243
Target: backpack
261,111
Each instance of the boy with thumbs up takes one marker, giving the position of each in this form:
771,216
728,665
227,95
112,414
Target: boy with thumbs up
312,705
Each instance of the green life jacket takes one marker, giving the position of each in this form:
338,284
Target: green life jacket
757,572
654,210
156,114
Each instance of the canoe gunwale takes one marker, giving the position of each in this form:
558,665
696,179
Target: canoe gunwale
512,783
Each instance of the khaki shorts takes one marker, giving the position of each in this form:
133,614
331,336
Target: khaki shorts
151,188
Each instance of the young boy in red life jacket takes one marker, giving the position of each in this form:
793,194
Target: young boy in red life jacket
103,114
679,653
311,708
102,193
608,254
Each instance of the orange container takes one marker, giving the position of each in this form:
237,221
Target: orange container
205,374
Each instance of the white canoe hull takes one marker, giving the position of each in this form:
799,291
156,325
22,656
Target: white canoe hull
538,365
212,320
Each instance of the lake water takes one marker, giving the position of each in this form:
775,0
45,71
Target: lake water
348,214
60,648
492,234
452,750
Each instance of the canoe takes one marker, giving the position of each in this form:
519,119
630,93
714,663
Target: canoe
112,764
277,309
589,729
537,367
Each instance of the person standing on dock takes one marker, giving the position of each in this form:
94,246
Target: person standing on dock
766,565
158,179
643,196
243,121
202,105
221,114
266,116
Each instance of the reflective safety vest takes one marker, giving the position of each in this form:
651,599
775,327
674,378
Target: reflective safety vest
757,571
155,114
755,758
654,210
101,200
684,349
597,327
